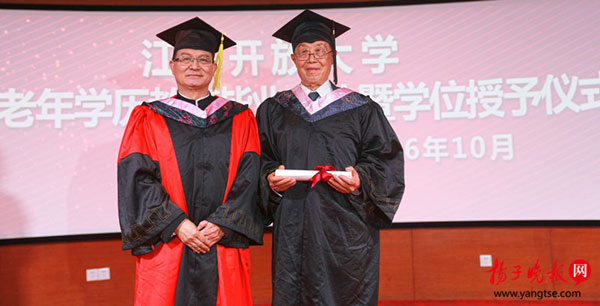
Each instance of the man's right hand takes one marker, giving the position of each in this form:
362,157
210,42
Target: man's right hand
280,184
189,234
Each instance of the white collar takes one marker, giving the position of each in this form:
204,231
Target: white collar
323,90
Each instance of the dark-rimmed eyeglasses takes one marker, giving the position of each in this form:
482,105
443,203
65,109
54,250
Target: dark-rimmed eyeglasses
304,54
188,60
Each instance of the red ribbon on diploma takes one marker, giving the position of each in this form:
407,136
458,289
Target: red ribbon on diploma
322,175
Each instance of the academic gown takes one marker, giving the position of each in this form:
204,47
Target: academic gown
179,161
325,243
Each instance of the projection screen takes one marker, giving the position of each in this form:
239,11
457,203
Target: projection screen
496,103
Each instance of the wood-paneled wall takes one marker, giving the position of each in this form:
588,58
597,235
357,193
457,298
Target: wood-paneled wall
416,264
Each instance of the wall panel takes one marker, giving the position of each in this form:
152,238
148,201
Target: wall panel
569,244
416,264
447,260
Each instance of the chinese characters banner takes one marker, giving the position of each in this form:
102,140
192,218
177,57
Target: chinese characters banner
497,103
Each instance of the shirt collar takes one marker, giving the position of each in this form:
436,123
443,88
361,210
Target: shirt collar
195,102
323,90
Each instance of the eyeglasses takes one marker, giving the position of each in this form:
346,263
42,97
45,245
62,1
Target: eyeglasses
188,60
304,54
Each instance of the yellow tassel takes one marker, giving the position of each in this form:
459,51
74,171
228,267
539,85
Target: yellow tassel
217,81
333,28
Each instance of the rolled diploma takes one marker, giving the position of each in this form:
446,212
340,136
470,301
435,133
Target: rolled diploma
306,175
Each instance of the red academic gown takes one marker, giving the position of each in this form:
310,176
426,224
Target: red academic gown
175,162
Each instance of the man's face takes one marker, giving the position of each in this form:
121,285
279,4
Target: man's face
194,75
313,71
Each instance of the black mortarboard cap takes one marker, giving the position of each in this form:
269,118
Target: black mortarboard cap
309,27
195,34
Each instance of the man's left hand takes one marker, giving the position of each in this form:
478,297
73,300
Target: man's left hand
211,231
344,184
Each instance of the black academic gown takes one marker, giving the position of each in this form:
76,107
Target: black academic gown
325,243
174,165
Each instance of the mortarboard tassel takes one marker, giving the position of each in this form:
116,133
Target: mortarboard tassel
335,79
217,82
